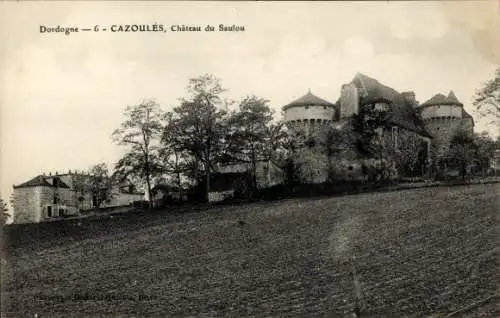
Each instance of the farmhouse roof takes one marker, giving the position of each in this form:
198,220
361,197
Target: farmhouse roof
402,113
41,181
57,182
308,99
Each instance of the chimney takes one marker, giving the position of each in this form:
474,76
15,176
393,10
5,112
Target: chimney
410,98
349,100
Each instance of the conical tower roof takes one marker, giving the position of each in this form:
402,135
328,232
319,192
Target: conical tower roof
308,99
452,99
440,99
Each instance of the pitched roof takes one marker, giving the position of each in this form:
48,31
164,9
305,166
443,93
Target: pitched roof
38,181
440,99
57,182
308,99
41,181
465,114
402,114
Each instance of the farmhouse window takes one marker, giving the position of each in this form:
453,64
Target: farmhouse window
56,198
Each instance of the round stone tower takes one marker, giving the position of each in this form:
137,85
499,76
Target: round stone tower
309,113
444,116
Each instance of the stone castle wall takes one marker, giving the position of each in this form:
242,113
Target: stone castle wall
443,130
467,125
307,126
441,111
309,112
308,119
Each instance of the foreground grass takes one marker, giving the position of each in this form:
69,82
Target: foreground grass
418,253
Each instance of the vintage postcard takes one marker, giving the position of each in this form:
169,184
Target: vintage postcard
250,159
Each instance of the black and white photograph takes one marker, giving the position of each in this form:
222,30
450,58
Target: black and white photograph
250,158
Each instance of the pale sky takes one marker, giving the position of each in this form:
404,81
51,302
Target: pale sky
62,96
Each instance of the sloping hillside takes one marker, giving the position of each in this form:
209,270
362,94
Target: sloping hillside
418,252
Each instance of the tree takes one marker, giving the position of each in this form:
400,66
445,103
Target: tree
409,154
487,99
5,215
471,151
99,184
462,152
334,142
250,133
276,137
141,133
292,142
364,126
282,147
198,126
485,150
176,161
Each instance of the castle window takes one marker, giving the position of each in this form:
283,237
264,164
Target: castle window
381,107
49,211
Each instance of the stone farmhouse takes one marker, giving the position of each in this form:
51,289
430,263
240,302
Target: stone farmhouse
51,197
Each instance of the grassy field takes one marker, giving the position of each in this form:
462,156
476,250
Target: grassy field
418,252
